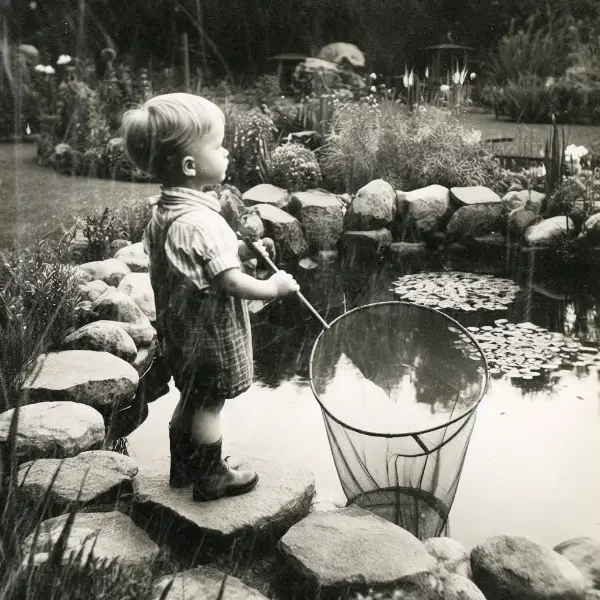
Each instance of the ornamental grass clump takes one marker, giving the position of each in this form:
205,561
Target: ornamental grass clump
294,167
38,296
410,150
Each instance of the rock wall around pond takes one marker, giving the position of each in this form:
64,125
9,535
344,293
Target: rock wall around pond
381,223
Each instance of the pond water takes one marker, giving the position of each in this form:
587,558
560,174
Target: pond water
532,462
531,465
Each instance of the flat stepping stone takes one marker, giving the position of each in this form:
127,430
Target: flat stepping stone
114,534
350,550
54,430
281,498
97,379
205,582
285,230
100,475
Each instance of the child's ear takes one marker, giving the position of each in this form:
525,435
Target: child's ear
188,166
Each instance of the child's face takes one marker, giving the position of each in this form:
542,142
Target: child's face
210,156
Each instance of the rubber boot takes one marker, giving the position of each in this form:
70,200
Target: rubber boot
182,450
213,478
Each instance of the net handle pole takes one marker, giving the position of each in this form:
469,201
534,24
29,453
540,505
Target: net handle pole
260,252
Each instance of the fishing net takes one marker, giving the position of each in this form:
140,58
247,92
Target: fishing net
399,385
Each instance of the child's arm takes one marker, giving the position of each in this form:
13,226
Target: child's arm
236,283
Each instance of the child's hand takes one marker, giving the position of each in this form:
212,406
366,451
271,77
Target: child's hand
284,283
267,245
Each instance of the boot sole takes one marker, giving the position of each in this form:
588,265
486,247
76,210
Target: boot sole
200,496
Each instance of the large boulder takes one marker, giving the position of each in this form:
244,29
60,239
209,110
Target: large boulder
107,535
590,234
584,553
100,475
265,193
139,288
134,257
360,246
321,216
373,207
426,208
284,229
402,253
457,587
91,291
342,52
142,334
115,305
520,219
519,568
451,554
102,336
205,582
111,270
54,429
529,199
474,220
350,550
232,208
550,232
97,379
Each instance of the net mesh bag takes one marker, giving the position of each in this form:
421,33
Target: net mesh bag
398,386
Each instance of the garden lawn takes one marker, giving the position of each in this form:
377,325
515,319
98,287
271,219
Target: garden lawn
36,199
529,139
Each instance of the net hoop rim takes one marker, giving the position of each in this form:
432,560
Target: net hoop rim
405,433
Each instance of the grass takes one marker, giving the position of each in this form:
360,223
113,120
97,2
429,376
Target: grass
36,199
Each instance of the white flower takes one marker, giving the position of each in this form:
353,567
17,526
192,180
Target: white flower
426,72
49,70
444,88
456,78
405,81
373,88
575,153
63,59
472,76
39,68
410,78
373,76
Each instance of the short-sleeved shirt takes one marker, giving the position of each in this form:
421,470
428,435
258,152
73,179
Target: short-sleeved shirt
204,333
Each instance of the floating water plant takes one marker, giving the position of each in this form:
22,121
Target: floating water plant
526,350
456,290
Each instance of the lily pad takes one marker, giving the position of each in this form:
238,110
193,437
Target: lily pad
456,290
526,350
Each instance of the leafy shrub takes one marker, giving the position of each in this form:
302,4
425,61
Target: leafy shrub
294,167
541,49
38,295
410,150
249,136
100,232
529,99
134,216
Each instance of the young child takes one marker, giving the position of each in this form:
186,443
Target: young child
200,290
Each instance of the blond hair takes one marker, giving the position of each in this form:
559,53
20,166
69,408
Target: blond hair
159,131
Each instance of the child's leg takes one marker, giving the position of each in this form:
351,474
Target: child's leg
206,424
